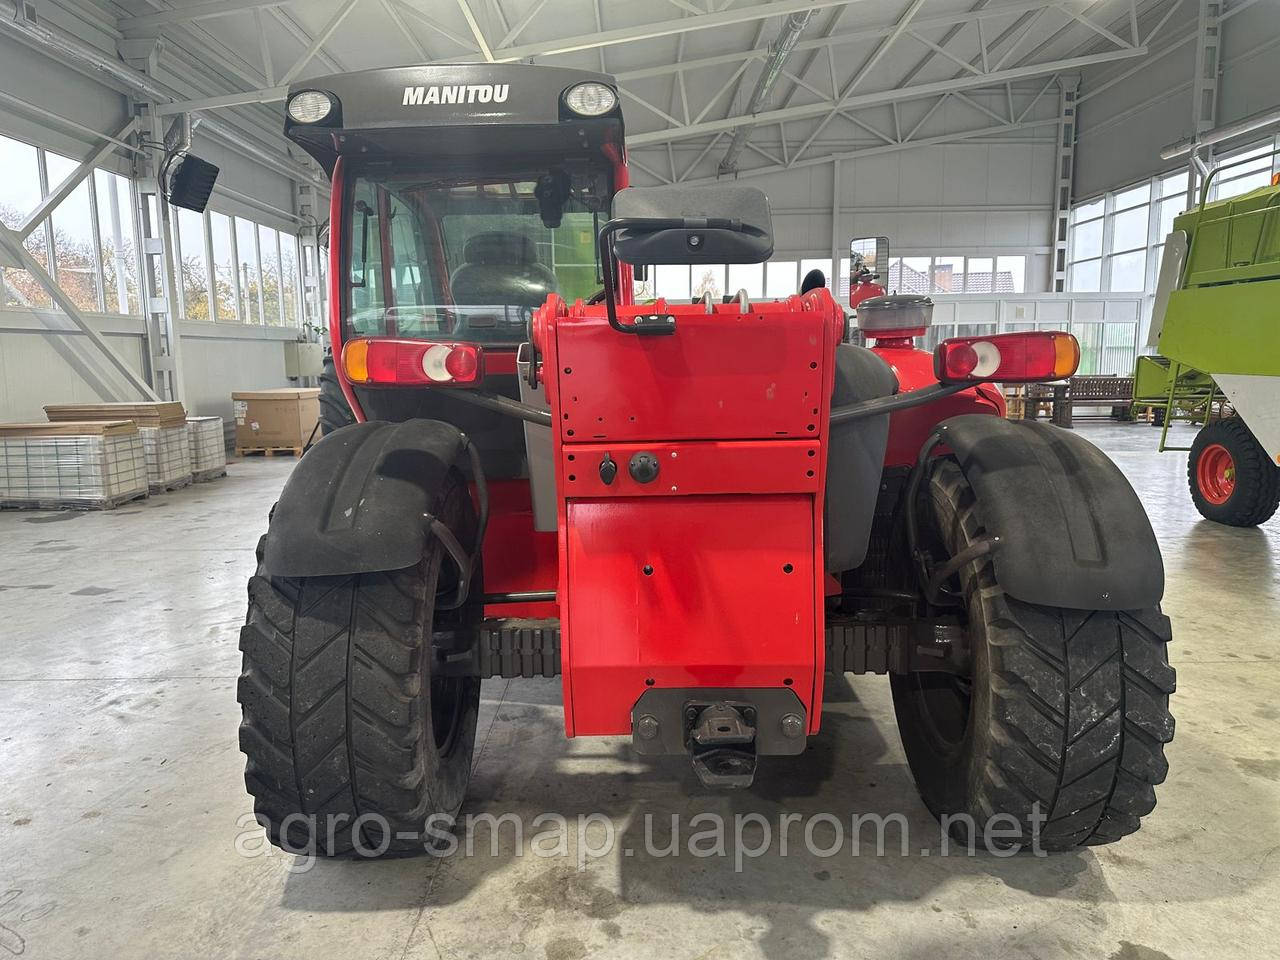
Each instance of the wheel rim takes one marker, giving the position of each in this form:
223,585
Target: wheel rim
1216,474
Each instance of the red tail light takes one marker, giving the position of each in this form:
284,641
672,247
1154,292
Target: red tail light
1008,357
385,360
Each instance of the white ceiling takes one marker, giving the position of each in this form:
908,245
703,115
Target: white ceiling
862,69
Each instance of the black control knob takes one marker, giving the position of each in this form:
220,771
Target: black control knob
643,468
608,469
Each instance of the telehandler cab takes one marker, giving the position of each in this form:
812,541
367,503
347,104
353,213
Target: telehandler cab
688,512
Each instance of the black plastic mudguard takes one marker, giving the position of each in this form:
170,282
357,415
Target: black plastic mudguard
1074,532
855,457
355,502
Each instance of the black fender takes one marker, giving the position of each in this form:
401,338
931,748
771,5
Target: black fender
855,456
1074,534
355,502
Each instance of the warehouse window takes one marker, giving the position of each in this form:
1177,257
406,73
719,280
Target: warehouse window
116,247
247,270
1084,247
748,277
20,193
1115,241
224,268
945,273
77,266
193,270
87,245
290,297
269,256
1256,167
778,279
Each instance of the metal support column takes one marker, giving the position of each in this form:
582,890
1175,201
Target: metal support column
1068,87
310,207
158,294
1204,94
833,282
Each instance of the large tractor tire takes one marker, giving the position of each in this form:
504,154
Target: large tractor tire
1232,479
351,743
1064,716
335,412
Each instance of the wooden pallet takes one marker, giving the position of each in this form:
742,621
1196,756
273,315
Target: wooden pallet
157,488
268,451
206,476
105,503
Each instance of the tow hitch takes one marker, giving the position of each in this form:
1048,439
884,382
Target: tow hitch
722,744
723,731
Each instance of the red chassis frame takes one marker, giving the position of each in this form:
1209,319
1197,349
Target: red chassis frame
711,574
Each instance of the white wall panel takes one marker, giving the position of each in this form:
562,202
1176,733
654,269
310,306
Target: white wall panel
216,359
215,364
47,85
39,366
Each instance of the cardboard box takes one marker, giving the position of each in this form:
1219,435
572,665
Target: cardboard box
275,418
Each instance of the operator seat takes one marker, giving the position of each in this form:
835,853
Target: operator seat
501,268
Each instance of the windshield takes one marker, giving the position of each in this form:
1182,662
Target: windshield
469,258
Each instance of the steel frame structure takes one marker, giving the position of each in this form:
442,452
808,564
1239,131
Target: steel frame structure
1002,61
1007,57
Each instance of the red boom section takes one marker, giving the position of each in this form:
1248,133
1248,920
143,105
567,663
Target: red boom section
707,574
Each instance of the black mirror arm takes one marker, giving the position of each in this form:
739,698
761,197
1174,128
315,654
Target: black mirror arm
610,262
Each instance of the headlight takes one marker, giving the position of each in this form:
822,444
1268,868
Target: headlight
590,99
310,106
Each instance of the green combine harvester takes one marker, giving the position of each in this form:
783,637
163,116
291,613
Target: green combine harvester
1216,326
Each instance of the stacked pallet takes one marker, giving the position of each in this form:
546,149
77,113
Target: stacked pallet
208,448
169,413
95,465
162,425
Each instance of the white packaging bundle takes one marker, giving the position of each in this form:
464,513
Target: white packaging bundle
87,471
168,457
208,447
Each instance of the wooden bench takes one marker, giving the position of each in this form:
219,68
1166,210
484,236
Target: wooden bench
1088,390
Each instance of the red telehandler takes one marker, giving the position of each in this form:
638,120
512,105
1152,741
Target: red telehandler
688,512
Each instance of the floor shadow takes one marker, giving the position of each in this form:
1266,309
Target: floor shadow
528,769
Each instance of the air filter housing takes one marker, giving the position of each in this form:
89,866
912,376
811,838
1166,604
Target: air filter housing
900,315
191,183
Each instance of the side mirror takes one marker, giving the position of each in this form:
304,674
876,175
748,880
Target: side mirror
711,224
869,255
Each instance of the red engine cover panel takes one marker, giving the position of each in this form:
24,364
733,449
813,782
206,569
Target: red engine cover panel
734,406
716,609
724,375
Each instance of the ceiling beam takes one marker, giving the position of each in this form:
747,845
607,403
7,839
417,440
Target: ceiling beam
915,92
662,28
430,21
194,11
876,151
863,71
518,27
838,39
476,32
318,41
269,95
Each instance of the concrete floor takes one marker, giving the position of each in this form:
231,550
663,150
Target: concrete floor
121,798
